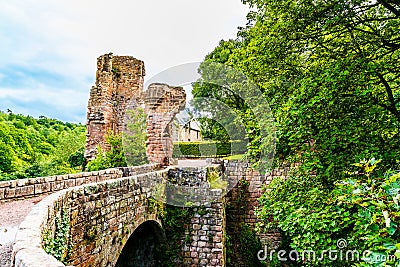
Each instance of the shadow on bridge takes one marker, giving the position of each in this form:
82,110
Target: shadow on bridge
142,246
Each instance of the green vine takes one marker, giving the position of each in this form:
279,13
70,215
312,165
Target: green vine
116,72
175,221
241,241
90,234
58,244
214,178
155,206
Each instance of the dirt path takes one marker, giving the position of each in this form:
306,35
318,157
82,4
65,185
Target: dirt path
11,215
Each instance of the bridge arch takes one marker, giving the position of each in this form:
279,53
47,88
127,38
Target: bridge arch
142,246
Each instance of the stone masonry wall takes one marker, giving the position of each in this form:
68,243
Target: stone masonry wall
27,188
103,214
119,84
203,241
247,192
162,103
206,232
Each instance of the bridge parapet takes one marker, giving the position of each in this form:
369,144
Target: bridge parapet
27,188
86,225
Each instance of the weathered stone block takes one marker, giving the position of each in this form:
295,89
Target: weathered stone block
42,188
25,191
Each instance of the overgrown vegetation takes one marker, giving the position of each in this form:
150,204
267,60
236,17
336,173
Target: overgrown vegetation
135,136
330,72
363,210
174,220
215,179
127,148
58,244
242,242
32,147
208,149
114,157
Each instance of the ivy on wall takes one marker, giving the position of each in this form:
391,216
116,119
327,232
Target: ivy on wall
175,221
242,242
58,244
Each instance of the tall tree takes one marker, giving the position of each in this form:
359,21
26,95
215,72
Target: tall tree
330,71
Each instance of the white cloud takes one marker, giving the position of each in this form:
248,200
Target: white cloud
60,98
66,36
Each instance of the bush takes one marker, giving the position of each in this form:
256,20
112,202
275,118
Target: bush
109,159
101,162
363,210
208,149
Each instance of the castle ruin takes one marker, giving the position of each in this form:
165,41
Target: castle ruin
119,87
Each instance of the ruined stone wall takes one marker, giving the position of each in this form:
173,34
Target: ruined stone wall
162,103
242,202
203,240
119,87
119,83
206,236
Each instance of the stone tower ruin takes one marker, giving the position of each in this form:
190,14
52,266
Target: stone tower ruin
119,83
162,103
119,87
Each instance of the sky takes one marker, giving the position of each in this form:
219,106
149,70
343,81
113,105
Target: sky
49,47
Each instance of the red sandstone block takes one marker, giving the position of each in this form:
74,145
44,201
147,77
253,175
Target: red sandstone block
34,181
24,191
217,239
2,193
79,181
22,182
90,179
101,178
58,185
70,183
77,261
42,188
4,184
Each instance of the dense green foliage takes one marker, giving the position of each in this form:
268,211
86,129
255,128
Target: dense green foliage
114,157
174,220
330,77
39,147
208,149
330,71
363,210
58,243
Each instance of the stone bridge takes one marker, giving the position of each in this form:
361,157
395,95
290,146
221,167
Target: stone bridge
118,217
113,218
113,222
